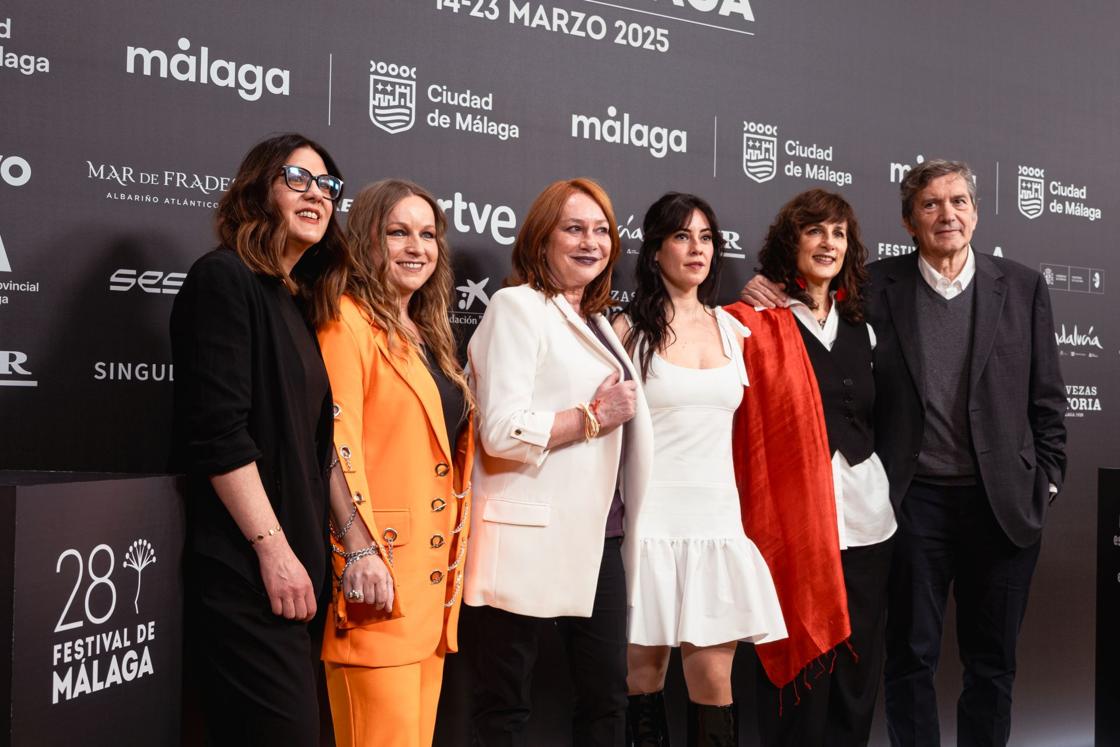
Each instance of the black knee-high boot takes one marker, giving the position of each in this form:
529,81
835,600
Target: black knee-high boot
712,726
647,723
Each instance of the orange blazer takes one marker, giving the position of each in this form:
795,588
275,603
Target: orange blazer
411,490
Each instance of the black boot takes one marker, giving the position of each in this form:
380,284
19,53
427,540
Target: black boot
712,726
647,724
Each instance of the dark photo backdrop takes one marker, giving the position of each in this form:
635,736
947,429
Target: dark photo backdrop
121,129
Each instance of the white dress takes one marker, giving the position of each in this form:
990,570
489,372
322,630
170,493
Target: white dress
695,576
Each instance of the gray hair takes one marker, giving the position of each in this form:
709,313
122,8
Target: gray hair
921,175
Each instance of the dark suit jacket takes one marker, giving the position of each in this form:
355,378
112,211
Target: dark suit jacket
241,396
1016,399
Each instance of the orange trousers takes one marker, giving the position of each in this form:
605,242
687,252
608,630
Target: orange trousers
385,706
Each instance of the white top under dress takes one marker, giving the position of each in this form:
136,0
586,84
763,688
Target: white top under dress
698,577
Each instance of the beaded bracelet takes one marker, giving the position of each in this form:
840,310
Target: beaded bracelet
270,533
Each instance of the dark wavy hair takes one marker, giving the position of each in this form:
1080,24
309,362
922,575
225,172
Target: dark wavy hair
249,223
530,251
779,251
650,311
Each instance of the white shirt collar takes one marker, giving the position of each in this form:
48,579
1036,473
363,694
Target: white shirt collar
826,332
941,285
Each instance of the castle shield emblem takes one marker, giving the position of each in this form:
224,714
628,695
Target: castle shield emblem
760,156
1031,196
392,102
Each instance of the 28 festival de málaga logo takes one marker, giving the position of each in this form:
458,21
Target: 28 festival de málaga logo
89,659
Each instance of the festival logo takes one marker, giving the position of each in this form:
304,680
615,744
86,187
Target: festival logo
139,556
1032,191
760,151
5,265
392,96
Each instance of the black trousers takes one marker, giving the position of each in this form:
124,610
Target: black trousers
256,671
505,652
948,536
838,704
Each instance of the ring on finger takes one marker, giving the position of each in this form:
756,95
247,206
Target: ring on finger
354,594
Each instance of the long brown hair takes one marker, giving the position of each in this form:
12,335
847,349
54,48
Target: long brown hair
372,288
779,251
530,261
249,223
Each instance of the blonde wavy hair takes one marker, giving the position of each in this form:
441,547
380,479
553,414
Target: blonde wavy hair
372,288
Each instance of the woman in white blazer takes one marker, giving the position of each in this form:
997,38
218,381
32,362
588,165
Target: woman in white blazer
564,434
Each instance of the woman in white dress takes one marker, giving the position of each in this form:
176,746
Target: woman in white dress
694,578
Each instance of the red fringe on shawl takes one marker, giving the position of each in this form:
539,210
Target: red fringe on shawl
784,475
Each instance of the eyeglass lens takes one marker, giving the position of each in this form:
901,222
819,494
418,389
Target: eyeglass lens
299,179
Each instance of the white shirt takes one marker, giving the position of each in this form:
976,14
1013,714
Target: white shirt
864,515
942,286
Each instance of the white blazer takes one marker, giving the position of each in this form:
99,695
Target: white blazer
539,514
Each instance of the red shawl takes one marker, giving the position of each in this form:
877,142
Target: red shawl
784,474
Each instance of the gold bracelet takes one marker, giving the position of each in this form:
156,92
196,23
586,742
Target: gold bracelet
270,533
591,425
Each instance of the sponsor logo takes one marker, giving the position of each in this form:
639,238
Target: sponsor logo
125,279
392,96
1078,343
1066,199
1072,279
164,187
731,246
658,140
13,369
472,300
1081,399
15,171
1032,191
130,371
760,151
28,64
251,81
467,216
807,160
5,265
392,104
898,171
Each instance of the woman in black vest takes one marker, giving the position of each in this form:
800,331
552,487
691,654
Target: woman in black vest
814,249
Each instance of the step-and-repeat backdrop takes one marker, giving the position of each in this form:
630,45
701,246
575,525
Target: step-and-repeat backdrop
123,124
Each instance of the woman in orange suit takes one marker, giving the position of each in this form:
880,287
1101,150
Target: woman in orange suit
402,415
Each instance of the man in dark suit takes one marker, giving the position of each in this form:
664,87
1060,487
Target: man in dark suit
969,425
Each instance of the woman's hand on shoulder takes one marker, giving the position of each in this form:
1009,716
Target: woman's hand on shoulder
760,291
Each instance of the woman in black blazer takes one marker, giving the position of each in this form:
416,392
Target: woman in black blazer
253,432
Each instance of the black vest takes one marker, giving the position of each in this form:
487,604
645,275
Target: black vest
847,389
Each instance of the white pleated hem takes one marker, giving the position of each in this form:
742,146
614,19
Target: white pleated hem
703,592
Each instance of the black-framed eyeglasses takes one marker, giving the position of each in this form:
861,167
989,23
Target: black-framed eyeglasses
299,179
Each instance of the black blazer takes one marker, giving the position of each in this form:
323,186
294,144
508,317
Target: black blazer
1016,399
241,396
